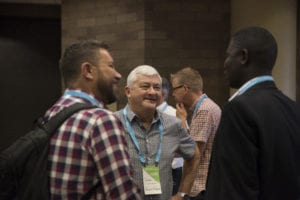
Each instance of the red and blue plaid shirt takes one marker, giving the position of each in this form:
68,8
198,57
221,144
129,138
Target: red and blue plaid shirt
89,146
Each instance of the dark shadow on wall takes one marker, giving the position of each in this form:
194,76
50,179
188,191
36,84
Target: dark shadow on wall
30,80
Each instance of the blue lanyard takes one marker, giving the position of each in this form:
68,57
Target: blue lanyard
83,95
199,101
136,144
251,83
164,107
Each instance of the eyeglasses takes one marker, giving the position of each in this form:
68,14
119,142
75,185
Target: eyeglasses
175,88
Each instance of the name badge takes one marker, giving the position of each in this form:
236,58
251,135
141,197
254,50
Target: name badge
151,180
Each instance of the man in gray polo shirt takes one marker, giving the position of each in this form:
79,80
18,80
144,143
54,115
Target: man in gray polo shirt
154,138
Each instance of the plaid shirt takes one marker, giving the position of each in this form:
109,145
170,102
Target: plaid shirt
89,146
203,129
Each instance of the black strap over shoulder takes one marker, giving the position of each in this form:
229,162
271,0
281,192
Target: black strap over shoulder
59,118
23,165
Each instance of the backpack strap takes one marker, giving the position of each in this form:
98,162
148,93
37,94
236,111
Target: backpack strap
57,120
60,117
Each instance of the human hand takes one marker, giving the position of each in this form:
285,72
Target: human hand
181,112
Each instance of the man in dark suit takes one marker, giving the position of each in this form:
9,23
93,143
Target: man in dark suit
256,153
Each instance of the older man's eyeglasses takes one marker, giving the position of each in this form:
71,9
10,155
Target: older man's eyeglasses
175,88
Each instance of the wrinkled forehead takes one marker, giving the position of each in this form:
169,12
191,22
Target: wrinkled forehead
153,79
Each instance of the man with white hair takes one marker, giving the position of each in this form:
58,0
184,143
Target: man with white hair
154,138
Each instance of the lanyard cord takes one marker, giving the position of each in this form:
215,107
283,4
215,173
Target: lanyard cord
76,93
136,144
251,83
199,101
164,107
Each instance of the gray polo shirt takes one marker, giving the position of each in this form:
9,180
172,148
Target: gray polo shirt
175,140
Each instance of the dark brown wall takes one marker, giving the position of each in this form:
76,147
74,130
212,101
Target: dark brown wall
168,35
189,33
117,22
298,56
30,82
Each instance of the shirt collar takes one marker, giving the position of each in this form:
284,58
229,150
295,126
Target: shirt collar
191,109
86,97
131,115
250,84
161,106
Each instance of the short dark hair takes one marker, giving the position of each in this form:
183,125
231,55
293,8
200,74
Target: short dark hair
190,77
260,43
76,54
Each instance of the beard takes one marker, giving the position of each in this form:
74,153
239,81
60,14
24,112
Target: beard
107,92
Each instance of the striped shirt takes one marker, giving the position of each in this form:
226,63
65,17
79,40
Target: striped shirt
89,146
203,128
175,139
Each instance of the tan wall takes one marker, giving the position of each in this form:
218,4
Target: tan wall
279,17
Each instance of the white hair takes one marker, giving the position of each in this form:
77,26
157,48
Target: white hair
145,70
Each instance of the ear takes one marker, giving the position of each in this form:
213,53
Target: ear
87,70
127,91
244,56
164,95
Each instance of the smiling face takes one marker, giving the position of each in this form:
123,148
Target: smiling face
144,94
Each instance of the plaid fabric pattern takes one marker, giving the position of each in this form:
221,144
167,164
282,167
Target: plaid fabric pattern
89,146
175,140
203,128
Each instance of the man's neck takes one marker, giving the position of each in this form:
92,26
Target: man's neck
146,116
194,99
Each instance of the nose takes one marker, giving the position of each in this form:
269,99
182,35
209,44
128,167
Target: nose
151,89
118,76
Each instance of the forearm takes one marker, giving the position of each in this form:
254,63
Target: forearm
190,168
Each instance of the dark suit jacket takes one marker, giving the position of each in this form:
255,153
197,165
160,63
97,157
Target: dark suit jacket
256,154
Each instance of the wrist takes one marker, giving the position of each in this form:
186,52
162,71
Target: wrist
183,195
